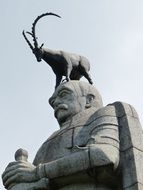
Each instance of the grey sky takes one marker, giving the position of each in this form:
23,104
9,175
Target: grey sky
108,32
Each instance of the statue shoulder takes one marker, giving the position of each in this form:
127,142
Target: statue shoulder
123,108
41,153
118,109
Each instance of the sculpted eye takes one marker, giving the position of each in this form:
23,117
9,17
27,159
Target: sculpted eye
63,93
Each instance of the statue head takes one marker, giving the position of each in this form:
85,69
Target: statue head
73,97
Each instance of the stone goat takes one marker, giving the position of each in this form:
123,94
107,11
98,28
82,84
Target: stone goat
70,65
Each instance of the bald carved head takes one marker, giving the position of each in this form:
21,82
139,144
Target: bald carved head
73,97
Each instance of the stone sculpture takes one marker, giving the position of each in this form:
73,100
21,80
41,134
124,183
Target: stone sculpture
96,147
70,65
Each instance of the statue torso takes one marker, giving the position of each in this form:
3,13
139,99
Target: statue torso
74,136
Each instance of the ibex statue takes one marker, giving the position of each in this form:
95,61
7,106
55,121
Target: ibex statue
70,65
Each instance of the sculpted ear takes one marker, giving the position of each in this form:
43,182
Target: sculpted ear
89,100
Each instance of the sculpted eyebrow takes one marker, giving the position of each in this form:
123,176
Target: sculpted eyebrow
64,89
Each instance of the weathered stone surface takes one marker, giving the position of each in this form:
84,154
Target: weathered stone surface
124,109
132,166
41,184
128,140
55,148
96,148
131,146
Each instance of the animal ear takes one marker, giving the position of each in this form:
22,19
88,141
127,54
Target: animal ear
89,100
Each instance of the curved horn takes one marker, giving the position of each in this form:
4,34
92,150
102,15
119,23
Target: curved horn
34,24
29,33
27,40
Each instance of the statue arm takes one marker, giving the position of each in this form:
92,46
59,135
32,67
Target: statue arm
84,160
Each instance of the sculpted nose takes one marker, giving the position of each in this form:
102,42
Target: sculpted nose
54,102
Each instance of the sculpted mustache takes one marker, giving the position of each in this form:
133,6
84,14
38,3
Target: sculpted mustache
61,106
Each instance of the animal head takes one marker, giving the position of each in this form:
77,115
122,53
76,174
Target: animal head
38,53
36,49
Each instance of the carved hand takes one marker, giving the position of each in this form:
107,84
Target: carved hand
22,174
17,172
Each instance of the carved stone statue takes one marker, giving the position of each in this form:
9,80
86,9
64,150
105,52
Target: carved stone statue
70,65
96,147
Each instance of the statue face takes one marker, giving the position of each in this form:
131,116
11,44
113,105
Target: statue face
66,103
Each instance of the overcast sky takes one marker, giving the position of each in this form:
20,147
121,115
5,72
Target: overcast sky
108,32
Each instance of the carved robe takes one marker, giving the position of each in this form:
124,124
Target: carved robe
84,132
